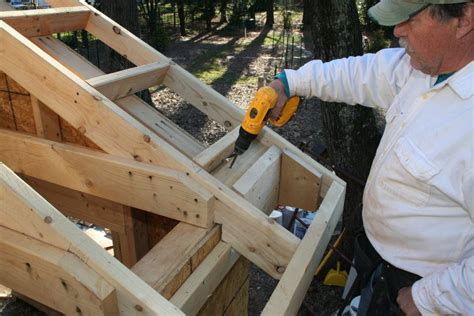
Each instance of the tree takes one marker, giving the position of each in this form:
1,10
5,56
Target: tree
182,18
156,35
350,132
209,13
223,11
124,12
307,13
270,18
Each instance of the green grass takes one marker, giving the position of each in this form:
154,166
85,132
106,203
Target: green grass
209,67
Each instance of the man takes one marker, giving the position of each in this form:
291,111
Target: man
419,198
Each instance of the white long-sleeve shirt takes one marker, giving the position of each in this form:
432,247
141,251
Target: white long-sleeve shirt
419,197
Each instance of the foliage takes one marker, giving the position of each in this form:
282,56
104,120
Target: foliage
287,19
160,39
376,37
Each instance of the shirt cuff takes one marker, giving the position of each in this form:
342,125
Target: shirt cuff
420,294
284,80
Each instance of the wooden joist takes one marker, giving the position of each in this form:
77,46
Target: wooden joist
133,105
123,83
260,183
27,213
47,21
214,155
155,189
168,264
201,284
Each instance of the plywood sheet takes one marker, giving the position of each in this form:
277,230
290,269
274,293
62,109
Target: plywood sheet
3,81
23,112
72,135
14,87
6,114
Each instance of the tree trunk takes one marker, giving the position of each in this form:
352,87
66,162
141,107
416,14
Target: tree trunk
307,13
182,18
350,131
270,19
209,13
124,12
223,11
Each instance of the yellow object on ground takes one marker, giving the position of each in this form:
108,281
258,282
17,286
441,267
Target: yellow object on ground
336,277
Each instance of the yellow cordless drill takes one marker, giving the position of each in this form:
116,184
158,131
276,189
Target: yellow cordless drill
257,115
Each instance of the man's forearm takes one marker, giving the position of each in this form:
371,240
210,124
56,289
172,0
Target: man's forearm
449,291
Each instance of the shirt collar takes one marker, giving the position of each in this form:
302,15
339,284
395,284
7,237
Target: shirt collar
462,82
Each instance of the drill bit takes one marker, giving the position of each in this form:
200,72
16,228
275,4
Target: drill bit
234,156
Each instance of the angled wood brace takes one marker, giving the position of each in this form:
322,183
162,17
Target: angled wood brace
148,163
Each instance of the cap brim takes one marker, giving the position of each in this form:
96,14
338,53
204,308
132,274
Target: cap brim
392,12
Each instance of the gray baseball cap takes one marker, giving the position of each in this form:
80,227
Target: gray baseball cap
392,12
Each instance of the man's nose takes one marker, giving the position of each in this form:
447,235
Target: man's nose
400,30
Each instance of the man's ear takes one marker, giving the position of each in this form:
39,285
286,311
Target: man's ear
466,22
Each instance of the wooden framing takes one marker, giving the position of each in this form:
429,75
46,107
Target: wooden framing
140,166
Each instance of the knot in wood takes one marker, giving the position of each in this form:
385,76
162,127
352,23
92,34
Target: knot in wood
116,30
139,308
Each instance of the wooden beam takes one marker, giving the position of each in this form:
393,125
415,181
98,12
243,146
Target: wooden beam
123,83
172,255
151,118
220,303
300,183
260,183
46,121
228,175
85,206
64,3
177,79
290,291
127,225
47,21
133,242
214,155
36,218
192,295
158,190
37,270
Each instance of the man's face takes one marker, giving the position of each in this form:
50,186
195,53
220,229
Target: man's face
428,41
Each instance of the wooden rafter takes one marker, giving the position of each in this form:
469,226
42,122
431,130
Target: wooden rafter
25,212
119,134
156,189
47,21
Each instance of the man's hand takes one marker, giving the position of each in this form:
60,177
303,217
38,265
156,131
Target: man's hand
282,98
406,303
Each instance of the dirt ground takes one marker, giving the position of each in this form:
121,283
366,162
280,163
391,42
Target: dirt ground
304,130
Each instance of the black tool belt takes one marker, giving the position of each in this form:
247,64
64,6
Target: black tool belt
380,281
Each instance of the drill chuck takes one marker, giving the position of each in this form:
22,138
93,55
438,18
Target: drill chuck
243,141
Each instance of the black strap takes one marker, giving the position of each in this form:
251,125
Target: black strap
384,280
